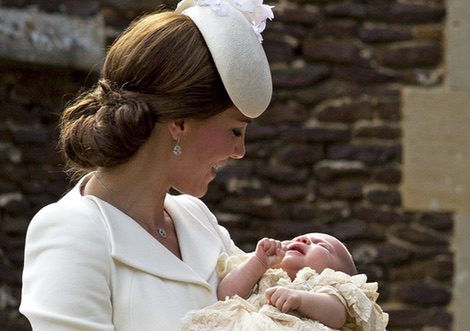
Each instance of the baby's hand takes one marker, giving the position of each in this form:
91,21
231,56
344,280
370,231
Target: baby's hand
283,298
270,252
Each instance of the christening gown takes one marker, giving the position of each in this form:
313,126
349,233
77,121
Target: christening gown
254,314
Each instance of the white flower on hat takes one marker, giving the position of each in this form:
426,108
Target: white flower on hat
254,11
219,6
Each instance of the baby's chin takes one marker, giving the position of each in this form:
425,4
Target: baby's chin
290,268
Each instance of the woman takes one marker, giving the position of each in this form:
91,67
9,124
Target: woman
118,252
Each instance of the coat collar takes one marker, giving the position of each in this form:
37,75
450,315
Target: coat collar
132,245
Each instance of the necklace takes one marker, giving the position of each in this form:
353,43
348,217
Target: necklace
160,230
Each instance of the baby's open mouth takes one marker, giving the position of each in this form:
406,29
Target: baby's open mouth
296,247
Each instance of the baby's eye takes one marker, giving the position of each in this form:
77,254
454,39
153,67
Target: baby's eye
322,244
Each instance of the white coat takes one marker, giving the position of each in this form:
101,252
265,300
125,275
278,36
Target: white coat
88,266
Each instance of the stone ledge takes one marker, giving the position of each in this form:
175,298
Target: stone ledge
27,35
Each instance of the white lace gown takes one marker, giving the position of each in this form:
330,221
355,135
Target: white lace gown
254,314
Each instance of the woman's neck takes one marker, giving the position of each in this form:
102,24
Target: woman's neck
136,194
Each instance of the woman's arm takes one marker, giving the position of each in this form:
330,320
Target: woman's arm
324,308
241,280
66,277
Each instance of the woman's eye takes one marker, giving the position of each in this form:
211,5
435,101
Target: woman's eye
237,132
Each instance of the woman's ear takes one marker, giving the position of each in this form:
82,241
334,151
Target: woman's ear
176,128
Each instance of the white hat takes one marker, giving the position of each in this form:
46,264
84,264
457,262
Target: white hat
232,31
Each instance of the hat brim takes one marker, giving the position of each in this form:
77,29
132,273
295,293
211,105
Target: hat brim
238,55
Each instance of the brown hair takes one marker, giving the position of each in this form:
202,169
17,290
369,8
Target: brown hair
158,70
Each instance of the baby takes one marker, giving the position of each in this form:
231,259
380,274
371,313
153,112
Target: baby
306,283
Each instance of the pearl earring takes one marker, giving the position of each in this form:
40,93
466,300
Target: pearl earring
177,150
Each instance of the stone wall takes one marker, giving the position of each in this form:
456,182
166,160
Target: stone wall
325,157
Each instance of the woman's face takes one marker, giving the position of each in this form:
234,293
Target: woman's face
315,250
207,146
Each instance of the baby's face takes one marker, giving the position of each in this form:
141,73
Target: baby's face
315,250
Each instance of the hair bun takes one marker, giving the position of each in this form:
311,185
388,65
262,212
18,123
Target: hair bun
106,127
108,93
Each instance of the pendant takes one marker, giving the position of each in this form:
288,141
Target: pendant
162,232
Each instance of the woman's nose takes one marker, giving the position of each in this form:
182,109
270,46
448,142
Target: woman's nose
239,150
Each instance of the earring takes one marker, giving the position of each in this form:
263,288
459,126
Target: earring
177,150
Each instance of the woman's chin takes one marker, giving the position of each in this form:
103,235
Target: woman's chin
195,192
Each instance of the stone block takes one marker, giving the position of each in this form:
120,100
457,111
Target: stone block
369,129
340,190
428,77
299,77
414,12
421,236
374,273
382,215
291,13
365,74
259,150
333,51
289,193
443,267
389,109
380,194
440,221
13,203
8,274
327,170
31,134
257,132
369,153
388,174
337,29
284,112
309,95
332,211
260,208
53,39
83,8
301,155
323,133
345,110
365,253
407,317
303,211
382,33
411,55
414,270
278,50
428,32
284,174
346,9
352,230
390,254
424,294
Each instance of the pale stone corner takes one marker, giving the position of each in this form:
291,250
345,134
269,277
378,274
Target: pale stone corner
28,35
436,154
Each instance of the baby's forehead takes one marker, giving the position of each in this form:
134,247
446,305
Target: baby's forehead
317,236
